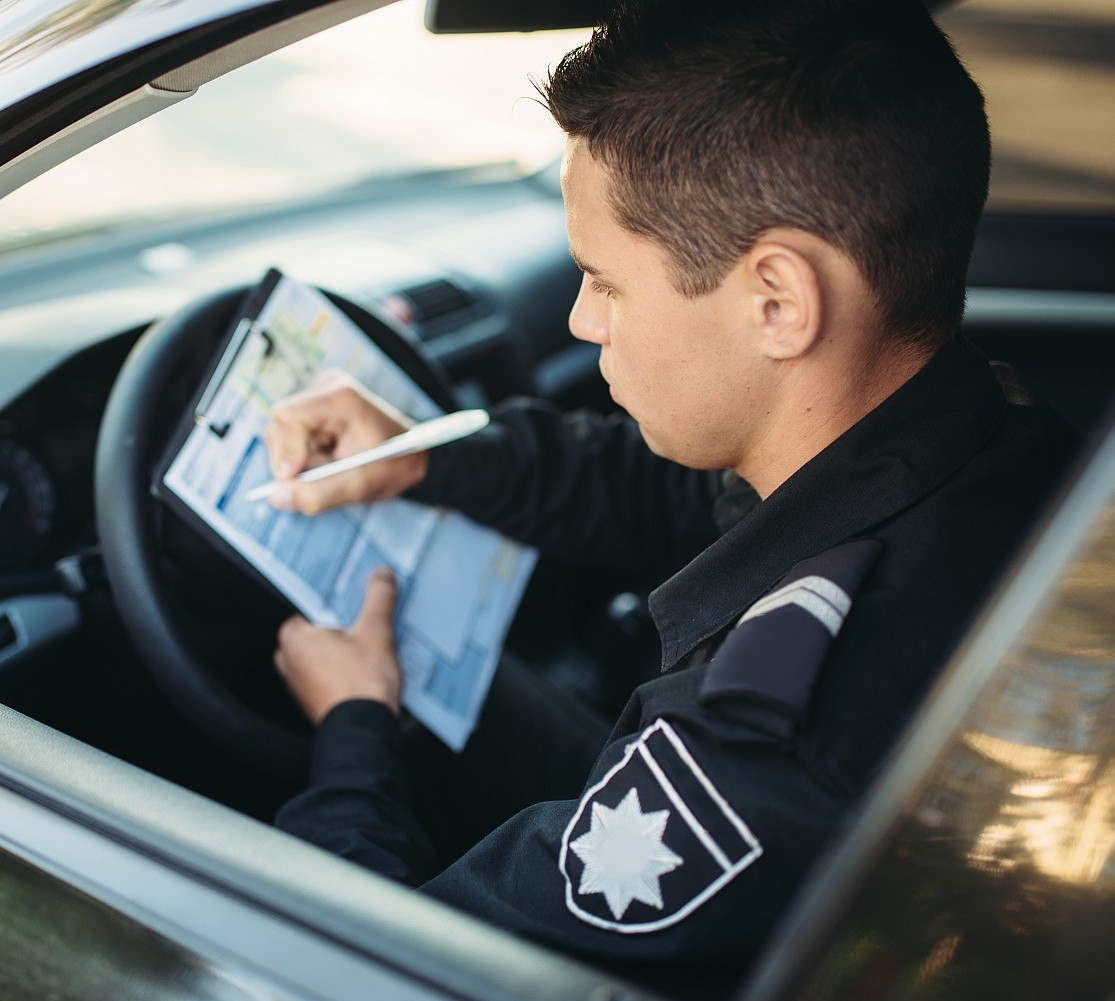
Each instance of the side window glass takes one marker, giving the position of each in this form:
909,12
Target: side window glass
1047,70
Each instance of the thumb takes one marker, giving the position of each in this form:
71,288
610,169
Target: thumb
375,618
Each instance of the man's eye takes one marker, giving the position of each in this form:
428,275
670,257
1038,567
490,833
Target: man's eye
603,289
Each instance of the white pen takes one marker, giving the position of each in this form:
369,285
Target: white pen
428,434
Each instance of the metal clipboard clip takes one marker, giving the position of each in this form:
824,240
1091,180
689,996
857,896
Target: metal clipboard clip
244,330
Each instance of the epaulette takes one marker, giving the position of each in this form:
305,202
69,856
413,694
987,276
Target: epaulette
764,672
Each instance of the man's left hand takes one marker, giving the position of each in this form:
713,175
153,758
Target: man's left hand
325,667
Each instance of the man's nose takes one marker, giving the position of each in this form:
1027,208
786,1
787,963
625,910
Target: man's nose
588,319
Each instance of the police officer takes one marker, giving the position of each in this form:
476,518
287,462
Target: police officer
773,203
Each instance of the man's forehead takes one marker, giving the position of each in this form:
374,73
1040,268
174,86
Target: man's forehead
579,173
598,243
575,148
586,206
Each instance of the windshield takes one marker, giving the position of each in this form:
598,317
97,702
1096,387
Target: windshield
380,96
373,97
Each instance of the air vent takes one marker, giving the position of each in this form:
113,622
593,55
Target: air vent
435,302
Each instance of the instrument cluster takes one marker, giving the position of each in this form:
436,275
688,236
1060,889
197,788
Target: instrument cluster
28,506
48,439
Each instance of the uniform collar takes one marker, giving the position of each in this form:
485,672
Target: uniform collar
887,461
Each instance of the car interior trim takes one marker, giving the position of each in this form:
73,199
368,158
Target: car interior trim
26,123
192,75
120,114
171,87
36,621
1024,308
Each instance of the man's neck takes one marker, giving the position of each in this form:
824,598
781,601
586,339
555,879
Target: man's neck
820,403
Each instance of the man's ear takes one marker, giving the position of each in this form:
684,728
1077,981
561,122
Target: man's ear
784,299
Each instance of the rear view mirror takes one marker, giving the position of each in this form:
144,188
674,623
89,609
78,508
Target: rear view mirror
460,16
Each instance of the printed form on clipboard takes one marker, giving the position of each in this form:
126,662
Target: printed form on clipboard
459,583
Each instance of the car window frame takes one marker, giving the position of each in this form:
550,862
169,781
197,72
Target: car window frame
170,860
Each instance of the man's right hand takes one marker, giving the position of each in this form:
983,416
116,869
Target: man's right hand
335,417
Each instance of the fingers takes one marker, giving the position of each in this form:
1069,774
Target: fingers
374,623
324,667
288,644
333,418
291,637
322,495
304,424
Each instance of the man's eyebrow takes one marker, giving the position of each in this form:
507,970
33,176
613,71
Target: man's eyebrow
587,268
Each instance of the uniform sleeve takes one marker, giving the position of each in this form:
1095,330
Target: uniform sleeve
680,853
679,857
580,487
357,804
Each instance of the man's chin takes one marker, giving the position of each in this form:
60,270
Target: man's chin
652,442
650,439
663,450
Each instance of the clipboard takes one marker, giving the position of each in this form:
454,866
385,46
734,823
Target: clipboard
243,328
459,583
245,312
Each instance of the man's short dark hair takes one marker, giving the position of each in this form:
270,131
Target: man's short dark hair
850,119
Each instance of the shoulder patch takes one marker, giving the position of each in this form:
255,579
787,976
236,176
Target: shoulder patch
765,669
652,840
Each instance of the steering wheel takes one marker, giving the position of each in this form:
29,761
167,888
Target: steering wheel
151,393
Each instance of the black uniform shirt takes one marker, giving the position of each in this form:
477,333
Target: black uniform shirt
795,646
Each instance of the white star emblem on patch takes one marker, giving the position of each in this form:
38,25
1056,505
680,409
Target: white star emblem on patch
623,854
